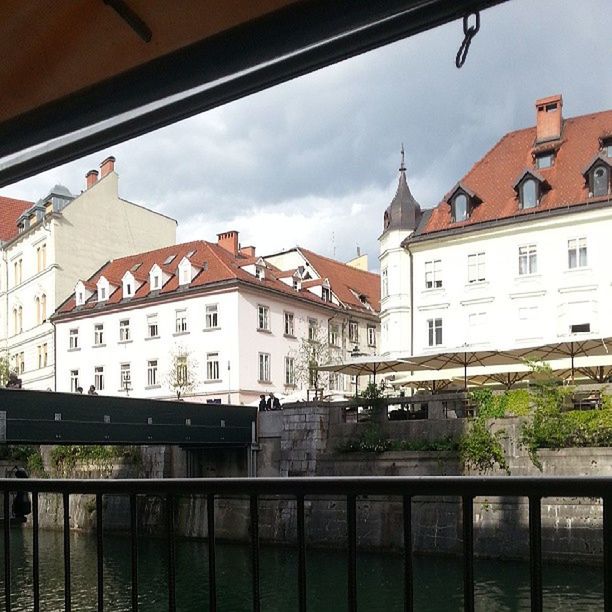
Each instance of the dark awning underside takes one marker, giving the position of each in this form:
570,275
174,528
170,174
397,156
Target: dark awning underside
79,75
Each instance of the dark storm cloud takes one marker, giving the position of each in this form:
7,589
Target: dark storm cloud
316,159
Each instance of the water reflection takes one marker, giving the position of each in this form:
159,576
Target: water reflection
500,586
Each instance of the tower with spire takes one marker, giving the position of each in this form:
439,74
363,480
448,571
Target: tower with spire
400,219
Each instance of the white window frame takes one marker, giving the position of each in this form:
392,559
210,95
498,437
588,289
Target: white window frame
212,367
99,334
212,316
180,321
528,259
433,274
99,378
289,371
371,335
152,325
125,368
384,282
334,334
577,254
74,381
476,268
313,327
152,371
289,323
73,339
263,317
353,332
124,330
435,332
263,370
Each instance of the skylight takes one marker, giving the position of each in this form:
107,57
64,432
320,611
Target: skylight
169,259
135,267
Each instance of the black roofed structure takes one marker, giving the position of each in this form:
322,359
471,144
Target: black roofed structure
404,212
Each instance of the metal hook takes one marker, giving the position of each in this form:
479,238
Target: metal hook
469,31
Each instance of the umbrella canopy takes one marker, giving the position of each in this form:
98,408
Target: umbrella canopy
369,364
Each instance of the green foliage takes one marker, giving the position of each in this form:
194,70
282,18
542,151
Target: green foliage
373,441
373,391
488,406
481,449
66,458
516,402
4,370
26,456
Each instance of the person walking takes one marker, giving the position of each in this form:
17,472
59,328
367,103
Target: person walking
262,403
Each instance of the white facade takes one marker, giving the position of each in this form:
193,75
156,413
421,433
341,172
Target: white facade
62,240
240,340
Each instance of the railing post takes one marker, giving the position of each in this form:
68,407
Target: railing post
408,588
301,538
7,550
351,516
255,552
67,570
468,553
170,507
535,552
100,552
35,555
134,546
607,552
212,570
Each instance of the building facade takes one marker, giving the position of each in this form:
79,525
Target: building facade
517,254
214,322
50,244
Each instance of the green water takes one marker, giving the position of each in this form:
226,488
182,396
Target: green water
438,581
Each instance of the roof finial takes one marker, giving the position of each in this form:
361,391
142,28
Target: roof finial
402,166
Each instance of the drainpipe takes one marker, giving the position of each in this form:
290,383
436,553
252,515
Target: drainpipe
6,288
411,306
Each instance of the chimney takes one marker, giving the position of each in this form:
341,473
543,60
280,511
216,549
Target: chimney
92,178
549,119
229,241
247,251
107,166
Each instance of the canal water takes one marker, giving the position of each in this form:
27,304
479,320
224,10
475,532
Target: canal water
500,585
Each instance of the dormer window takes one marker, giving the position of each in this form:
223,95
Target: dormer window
529,193
155,282
460,207
102,295
545,160
600,180
326,294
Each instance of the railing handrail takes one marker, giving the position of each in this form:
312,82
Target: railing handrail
521,486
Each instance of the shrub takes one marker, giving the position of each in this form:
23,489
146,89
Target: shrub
482,449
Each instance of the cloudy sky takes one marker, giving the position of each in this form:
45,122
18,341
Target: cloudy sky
314,161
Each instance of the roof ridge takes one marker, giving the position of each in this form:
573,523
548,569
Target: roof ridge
335,261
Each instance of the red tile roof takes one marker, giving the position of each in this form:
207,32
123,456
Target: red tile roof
10,210
217,265
492,178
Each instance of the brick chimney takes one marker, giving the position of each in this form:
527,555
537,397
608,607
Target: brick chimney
247,251
549,119
107,166
229,241
92,178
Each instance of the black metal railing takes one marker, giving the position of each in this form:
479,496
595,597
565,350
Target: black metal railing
406,488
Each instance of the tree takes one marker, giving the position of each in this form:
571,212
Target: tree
5,370
313,352
182,375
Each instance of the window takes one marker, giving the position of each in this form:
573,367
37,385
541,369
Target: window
600,181
371,335
528,319
607,149
124,330
212,366
152,327
529,193
20,319
477,327
102,294
263,318
41,257
289,331
126,377
212,316
460,207
181,321
326,294
336,381
476,268
74,381
43,308
334,334
99,378
17,271
384,282
433,274
434,329
73,339
98,334
155,282
37,308
353,332
313,327
576,253
289,371
169,259
20,362
42,355
181,370
528,260
264,367
152,372
545,160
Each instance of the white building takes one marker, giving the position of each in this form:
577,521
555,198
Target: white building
517,254
47,246
215,313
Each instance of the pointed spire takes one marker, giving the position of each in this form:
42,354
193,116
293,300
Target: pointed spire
402,167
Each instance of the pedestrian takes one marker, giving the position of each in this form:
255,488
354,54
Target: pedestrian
262,403
79,389
92,390
273,403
